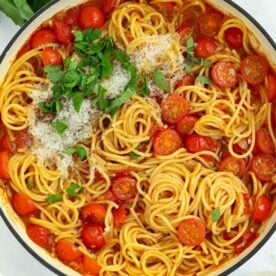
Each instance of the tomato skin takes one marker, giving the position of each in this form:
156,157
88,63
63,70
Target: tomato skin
209,23
205,47
241,147
27,47
247,207
264,166
254,68
245,241
42,36
6,143
40,235
71,16
23,205
234,165
184,32
67,251
93,212
23,139
173,108
4,162
92,236
233,37
270,87
91,17
273,114
166,142
91,266
186,80
262,209
264,141
186,125
224,74
195,143
191,232
51,56
119,216
63,32
124,187
109,6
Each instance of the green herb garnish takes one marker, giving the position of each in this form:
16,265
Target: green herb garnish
79,150
203,79
73,189
60,126
215,215
133,155
30,184
160,81
54,198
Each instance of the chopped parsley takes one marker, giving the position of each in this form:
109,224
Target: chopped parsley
215,215
160,81
203,79
54,198
60,126
133,155
79,150
74,189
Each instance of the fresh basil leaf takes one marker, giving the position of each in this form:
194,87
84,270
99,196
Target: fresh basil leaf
205,63
54,72
54,198
215,215
122,57
188,69
60,126
78,36
134,155
77,101
92,34
101,91
116,103
144,90
73,189
106,64
203,79
50,106
103,104
79,150
160,81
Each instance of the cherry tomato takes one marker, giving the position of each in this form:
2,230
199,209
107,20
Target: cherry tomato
173,108
23,205
186,125
246,200
167,8
205,47
43,36
6,143
195,143
109,5
123,172
184,32
51,56
209,23
254,68
233,37
273,114
93,212
166,142
264,166
4,162
245,241
40,235
67,251
71,16
264,141
27,47
124,187
186,80
119,216
23,139
270,87
224,74
154,129
92,236
190,15
262,208
234,165
63,32
241,147
191,232
91,266
91,17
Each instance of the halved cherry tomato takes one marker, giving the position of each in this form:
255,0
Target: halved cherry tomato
209,23
191,232
109,5
93,212
4,162
166,142
264,166
241,147
93,236
23,139
67,251
190,15
40,235
186,80
63,32
123,172
6,143
262,208
91,17
254,68
124,187
167,8
154,129
245,241
24,49
184,32
91,266
173,108
224,74
186,125
195,143
119,216
23,205
246,200
51,56
71,16
234,165
205,47
233,37
270,87
264,141
42,36
110,196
